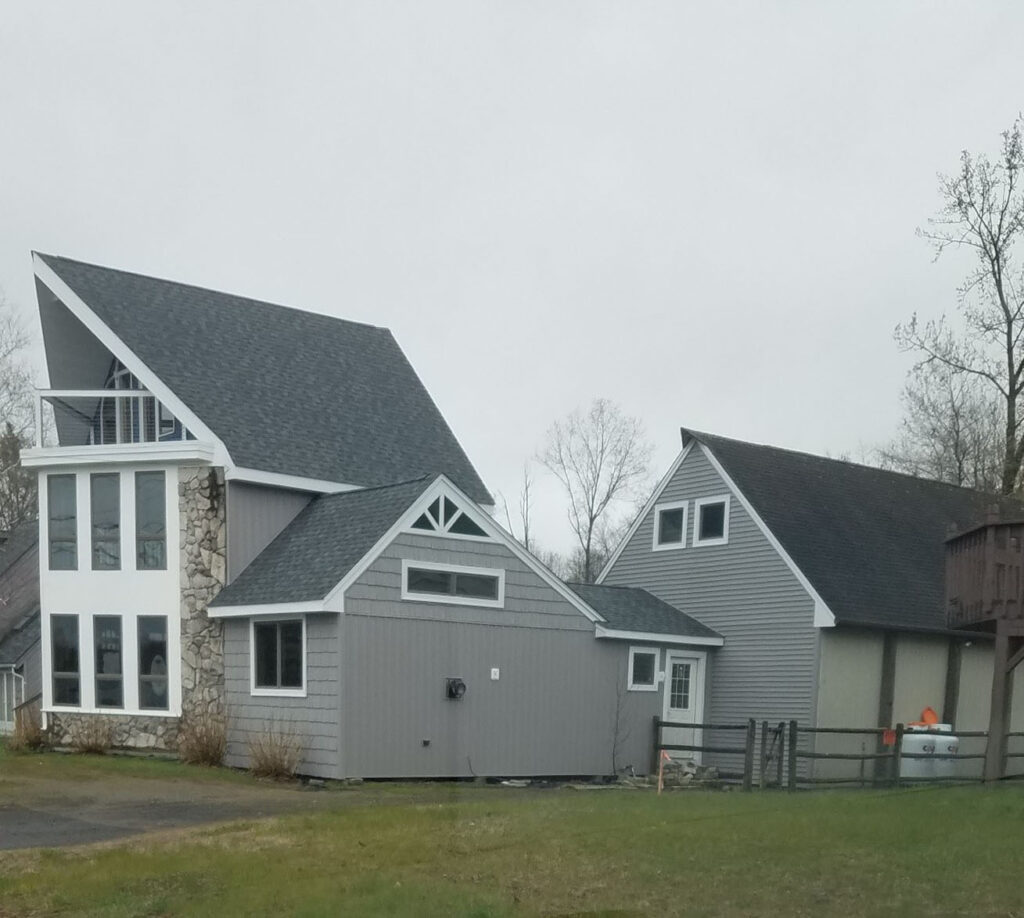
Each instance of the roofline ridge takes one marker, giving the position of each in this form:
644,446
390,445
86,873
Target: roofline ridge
699,435
190,286
383,487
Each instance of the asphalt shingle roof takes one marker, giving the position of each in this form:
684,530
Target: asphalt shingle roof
19,591
870,541
321,545
287,391
634,609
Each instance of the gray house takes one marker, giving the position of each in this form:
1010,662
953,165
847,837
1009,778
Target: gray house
259,512
825,579
20,655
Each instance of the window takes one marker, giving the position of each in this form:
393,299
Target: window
63,522
643,669
278,649
679,686
150,521
64,660
109,664
105,513
670,525
466,585
153,662
444,517
711,521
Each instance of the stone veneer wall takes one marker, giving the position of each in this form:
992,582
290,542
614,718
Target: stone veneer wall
203,566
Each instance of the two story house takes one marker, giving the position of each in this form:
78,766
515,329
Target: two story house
255,512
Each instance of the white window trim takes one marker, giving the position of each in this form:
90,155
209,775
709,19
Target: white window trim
698,542
444,531
263,691
642,687
444,600
658,510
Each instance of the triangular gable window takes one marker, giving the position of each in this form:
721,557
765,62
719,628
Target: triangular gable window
445,516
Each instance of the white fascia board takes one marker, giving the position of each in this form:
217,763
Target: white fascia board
258,610
654,638
291,482
442,485
642,515
81,311
171,452
823,615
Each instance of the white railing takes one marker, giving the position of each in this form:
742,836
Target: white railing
12,694
81,417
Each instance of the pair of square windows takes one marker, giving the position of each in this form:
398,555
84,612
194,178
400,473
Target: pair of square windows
710,523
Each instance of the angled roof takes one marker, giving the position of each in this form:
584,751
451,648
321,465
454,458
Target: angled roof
634,609
870,541
287,391
19,591
320,546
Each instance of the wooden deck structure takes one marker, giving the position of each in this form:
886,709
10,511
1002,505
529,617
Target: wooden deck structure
985,592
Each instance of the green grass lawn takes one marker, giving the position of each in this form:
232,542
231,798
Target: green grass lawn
493,851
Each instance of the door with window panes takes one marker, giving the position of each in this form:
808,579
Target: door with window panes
684,702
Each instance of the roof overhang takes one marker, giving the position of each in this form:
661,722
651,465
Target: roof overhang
656,638
268,610
171,452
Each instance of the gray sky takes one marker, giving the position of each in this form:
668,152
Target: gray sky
704,212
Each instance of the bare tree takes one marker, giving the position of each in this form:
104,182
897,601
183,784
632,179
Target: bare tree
524,509
951,430
17,485
17,417
602,458
983,212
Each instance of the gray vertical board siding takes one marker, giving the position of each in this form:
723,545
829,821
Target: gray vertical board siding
256,516
551,711
315,718
767,668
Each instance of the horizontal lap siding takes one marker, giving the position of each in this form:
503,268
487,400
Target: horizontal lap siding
767,668
315,718
552,710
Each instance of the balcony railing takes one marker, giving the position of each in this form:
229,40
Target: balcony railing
985,575
80,417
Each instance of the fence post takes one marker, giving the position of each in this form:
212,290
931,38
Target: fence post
748,755
792,755
781,754
656,752
897,755
763,782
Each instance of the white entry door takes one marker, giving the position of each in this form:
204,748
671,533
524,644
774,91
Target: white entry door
684,701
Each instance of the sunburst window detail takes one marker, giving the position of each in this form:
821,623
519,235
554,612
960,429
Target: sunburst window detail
444,517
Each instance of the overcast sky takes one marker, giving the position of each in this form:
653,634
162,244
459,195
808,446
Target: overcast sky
704,212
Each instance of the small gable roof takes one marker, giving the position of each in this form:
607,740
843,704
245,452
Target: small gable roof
320,546
870,541
634,609
287,391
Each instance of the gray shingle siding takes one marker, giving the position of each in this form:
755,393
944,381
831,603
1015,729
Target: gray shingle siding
315,717
767,668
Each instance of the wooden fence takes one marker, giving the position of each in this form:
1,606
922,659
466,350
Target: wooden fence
784,755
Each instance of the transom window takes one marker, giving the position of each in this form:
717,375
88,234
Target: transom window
444,517
278,657
643,669
711,521
451,584
670,525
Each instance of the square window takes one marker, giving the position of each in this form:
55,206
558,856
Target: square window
670,525
643,669
711,522
278,661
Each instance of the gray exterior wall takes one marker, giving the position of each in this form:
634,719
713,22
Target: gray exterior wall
315,718
552,711
767,668
31,662
256,516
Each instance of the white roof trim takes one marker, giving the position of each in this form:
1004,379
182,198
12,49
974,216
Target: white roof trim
643,513
168,451
442,485
602,632
823,615
265,609
81,311
293,482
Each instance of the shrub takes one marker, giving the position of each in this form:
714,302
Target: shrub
203,739
275,752
91,735
28,733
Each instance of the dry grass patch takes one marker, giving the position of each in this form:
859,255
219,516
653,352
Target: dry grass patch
276,752
92,736
203,739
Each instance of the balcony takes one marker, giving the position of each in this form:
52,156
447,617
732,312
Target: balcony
984,582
